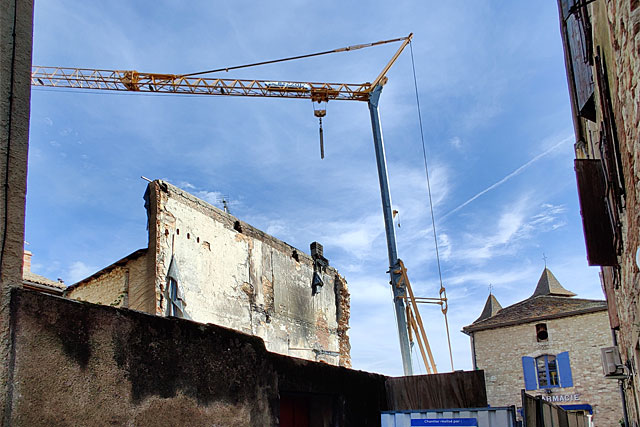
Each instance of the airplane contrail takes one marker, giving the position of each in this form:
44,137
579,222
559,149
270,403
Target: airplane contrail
508,177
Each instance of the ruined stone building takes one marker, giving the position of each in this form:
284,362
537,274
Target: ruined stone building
230,274
548,344
601,41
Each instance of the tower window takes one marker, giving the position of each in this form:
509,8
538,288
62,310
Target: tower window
541,332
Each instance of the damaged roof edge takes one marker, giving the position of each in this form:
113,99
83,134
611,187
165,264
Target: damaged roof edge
247,229
134,255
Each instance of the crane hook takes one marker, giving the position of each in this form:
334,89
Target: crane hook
321,141
320,111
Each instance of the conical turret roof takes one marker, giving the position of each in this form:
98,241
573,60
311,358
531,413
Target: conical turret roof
491,308
548,285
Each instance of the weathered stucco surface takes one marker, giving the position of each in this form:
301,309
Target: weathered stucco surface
77,364
16,35
80,364
234,275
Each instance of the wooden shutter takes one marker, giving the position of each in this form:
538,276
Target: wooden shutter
564,369
530,373
582,73
596,220
608,280
609,146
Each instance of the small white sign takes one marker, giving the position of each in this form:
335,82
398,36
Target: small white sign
557,398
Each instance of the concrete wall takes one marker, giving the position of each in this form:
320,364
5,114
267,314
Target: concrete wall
499,353
78,364
16,36
236,276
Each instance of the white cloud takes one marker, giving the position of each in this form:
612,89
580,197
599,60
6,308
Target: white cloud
355,237
444,246
516,172
277,228
78,270
455,142
496,277
211,197
187,185
517,223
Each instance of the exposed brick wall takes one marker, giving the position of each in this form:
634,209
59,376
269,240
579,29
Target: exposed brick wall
499,353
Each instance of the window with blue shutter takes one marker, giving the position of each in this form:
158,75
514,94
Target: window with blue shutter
530,375
564,368
547,371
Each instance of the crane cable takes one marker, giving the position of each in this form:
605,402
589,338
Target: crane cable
433,222
292,58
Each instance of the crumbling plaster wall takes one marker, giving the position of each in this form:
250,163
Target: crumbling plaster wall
234,275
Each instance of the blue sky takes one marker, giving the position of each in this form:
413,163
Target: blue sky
497,127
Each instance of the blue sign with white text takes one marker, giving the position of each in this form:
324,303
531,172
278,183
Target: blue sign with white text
445,422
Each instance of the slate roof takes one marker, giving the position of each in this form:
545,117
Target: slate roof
536,309
550,300
549,285
491,308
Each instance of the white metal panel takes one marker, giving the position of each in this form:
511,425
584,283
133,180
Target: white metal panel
484,419
487,417
388,420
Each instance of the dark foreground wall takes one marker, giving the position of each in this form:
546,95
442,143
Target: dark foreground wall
75,364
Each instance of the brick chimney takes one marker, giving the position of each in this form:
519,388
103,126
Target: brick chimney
26,262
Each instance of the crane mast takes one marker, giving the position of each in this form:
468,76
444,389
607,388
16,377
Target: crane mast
133,81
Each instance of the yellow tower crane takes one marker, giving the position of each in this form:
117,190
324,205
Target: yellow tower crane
407,315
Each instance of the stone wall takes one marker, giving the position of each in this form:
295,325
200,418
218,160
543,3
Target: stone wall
234,275
622,20
499,353
616,38
122,284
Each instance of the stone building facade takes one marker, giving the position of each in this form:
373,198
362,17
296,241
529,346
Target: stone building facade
549,345
602,52
227,273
